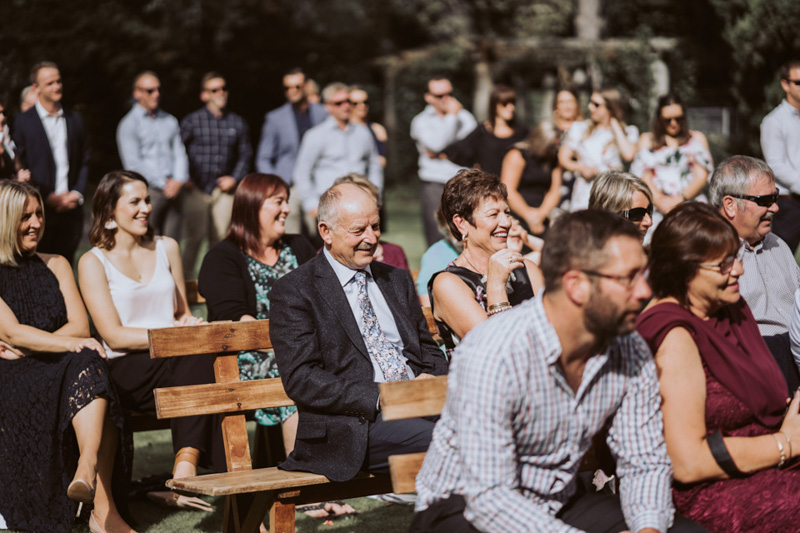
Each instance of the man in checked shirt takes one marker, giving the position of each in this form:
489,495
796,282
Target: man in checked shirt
530,388
218,145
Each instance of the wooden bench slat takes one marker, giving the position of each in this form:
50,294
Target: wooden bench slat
409,399
404,469
216,398
258,480
224,337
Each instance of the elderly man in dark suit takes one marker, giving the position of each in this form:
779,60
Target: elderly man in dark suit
51,144
340,325
281,134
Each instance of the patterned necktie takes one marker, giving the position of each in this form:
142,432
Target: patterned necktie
384,352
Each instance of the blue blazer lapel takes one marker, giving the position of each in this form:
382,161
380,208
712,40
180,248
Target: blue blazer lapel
327,285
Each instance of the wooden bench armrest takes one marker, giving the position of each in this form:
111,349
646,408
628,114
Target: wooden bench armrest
217,337
216,398
409,399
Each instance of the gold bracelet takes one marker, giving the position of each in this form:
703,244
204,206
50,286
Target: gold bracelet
788,441
780,449
498,306
498,310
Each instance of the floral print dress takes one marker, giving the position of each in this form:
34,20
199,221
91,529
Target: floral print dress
263,365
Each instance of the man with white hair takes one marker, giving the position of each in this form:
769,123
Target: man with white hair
743,189
340,324
334,148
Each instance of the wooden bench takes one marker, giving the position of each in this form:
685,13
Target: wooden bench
249,493
410,399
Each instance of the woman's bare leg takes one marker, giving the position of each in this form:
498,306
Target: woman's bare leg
97,441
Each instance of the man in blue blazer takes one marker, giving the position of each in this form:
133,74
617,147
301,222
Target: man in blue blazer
51,143
340,324
281,133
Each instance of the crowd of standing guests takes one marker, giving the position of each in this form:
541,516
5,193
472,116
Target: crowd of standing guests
679,355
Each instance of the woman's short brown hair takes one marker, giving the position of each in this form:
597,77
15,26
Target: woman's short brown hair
250,194
464,193
105,202
690,234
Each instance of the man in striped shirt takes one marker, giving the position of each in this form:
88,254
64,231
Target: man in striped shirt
530,388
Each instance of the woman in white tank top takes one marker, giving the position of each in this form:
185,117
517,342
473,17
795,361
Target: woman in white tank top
132,281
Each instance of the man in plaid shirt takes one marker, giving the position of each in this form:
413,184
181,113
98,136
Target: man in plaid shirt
529,389
218,145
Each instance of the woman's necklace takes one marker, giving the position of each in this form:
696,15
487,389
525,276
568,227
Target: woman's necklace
464,255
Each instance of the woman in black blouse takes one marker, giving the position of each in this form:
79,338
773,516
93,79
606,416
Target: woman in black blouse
486,146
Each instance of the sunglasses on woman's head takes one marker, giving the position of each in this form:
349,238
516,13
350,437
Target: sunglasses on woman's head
637,213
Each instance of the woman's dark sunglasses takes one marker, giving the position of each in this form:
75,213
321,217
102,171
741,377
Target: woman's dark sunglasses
637,213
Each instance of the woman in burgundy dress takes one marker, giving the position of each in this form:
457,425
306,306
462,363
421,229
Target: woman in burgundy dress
723,394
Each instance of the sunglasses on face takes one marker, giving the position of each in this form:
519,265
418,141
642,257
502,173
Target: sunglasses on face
724,267
443,95
637,213
340,103
670,120
289,87
592,103
363,102
764,200
149,91
223,89
796,83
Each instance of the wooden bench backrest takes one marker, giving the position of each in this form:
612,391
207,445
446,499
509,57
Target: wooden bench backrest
410,399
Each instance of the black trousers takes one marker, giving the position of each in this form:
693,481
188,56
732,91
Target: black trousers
786,223
62,232
136,375
411,435
588,511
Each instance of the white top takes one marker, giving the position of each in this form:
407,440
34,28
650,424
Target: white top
142,305
434,133
598,150
55,126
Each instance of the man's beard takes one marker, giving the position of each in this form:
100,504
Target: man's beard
604,320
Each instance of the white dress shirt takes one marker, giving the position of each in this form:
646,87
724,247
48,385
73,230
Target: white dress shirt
55,126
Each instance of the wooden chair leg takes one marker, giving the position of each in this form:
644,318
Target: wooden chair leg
244,513
281,518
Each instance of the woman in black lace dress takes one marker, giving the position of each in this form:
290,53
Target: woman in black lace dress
491,274
59,418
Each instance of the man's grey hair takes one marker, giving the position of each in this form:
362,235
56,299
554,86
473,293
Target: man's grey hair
25,92
331,89
329,203
734,176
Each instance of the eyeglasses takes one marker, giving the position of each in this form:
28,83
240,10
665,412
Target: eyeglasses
796,83
216,90
764,200
592,103
628,281
340,103
150,91
724,267
443,95
670,120
637,213
287,87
